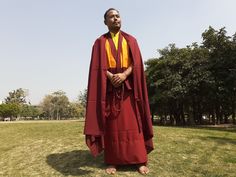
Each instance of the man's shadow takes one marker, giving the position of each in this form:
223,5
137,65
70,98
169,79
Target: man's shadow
74,163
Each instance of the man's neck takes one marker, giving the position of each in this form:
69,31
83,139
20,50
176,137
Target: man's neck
114,31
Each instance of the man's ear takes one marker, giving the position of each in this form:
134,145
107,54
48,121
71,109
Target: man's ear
105,22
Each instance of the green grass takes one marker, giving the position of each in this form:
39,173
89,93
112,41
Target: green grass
57,148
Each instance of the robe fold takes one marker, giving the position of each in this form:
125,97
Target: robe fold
97,122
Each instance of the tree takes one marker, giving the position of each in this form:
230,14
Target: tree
16,96
187,84
56,105
76,110
30,111
47,107
9,110
60,102
222,59
82,99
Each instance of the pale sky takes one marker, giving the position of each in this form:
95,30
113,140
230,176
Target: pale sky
45,45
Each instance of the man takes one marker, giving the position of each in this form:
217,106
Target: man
118,117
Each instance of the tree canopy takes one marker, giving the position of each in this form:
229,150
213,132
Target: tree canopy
188,85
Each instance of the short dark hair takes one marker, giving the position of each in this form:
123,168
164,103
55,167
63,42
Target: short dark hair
108,10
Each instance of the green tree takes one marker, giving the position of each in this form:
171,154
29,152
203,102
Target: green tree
76,110
30,111
222,66
9,110
82,99
16,96
187,84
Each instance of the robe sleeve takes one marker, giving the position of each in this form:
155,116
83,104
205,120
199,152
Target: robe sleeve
141,96
95,107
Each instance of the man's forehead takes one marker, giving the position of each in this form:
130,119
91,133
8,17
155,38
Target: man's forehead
112,11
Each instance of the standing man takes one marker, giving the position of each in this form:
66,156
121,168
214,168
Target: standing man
118,118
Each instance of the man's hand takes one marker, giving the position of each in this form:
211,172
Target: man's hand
109,75
117,79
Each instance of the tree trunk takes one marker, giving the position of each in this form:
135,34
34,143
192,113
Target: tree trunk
233,111
57,114
172,120
152,117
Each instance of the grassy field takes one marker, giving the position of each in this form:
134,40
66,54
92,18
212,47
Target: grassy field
57,148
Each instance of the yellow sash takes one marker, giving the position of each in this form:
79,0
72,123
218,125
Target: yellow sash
124,56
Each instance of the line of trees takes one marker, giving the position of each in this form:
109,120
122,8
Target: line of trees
195,84
55,106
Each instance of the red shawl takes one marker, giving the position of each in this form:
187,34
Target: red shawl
96,95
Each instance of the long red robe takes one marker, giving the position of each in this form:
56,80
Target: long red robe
95,123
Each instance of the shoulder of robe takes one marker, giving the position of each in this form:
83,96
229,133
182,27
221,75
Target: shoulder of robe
128,37
102,38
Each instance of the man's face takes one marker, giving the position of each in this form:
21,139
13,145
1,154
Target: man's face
113,20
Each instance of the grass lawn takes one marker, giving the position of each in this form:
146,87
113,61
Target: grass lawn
57,148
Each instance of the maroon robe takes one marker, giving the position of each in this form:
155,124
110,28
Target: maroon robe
96,117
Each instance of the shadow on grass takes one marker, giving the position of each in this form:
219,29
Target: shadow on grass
74,163
220,140
231,129
225,129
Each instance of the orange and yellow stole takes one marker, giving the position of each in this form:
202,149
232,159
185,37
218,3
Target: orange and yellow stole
124,55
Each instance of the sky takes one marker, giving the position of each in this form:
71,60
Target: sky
45,45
